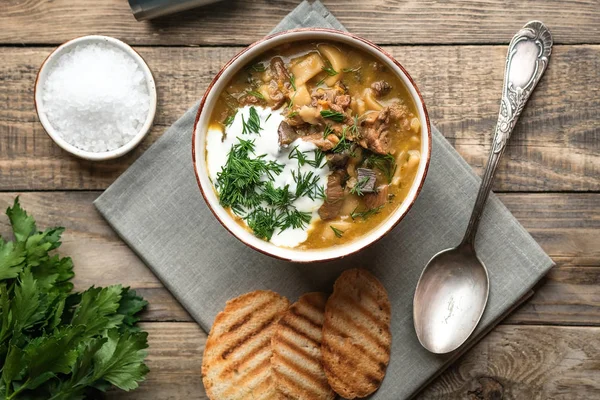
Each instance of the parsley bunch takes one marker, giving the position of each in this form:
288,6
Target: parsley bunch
55,343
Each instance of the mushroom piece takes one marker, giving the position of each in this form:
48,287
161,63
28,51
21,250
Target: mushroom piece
366,180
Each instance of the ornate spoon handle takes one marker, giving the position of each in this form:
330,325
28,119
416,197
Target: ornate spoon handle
526,61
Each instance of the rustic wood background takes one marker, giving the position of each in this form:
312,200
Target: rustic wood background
550,178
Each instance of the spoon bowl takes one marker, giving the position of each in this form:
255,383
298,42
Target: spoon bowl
450,298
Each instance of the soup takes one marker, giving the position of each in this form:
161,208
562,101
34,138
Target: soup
313,145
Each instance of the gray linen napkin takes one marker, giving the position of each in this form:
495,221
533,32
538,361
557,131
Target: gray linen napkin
157,208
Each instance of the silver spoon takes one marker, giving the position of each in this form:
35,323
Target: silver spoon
453,288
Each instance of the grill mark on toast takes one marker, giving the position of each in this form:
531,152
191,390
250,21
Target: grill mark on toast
299,388
341,314
358,306
301,370
298,350
316,325
247,337
298,332
266,342
363,351
240,323
241,382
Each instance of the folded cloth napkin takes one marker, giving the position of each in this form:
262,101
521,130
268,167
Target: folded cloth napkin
157,208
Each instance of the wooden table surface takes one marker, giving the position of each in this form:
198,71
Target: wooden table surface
550,177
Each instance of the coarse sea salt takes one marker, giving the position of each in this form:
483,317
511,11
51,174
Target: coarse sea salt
96,97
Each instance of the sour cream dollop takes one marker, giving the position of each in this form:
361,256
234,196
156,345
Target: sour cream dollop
219,143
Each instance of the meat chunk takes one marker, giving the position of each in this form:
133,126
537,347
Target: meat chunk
366,179
276,94
376,125
381,88
286,133
343,101
325,144
279,71
249,100
377,199
375,132
334,195
279,86
338,160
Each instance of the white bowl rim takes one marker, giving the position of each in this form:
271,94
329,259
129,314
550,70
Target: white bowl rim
201,126
56,137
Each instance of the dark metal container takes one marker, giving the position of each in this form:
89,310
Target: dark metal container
148,9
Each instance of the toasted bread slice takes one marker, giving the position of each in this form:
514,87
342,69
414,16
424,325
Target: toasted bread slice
356,334
297,360
237,355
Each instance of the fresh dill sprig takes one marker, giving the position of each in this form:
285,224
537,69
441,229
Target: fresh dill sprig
329,70
344,144
360,185
240,178
339,233
385,163
321,81
298,155
278,197
263,222
293,81
333,115
318,161
292,114
307,184
256,94
354,128
295,219
268,116
229,120
258,67
365,214
253,123
355,69
327,131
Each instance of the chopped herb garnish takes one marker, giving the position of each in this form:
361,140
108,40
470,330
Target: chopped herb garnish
263,222
321,82
268,116
360,185
385,163
318,161
344,144
333,115
229,120
293,82
351,69
240,178
296,219
365,214
354,128
337,232
253,123
258,67
327,131
278,197
292,114
299,155
329,70
307,184
256,94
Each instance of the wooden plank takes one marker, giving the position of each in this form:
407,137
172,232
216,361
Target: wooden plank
555,146
512,362
389,22
565,225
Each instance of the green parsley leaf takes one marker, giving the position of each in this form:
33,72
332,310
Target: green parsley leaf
22,224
